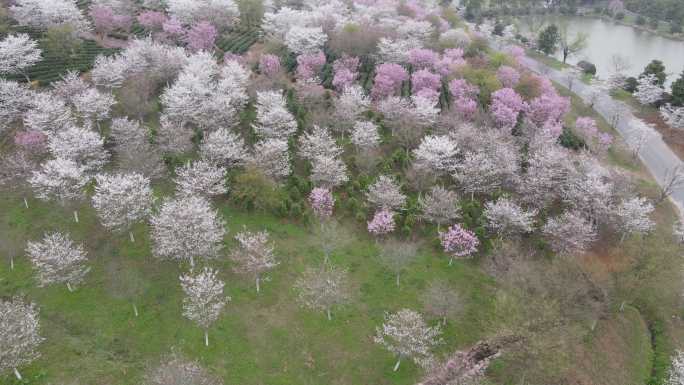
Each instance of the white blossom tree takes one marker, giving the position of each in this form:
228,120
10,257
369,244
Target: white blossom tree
204,299
272,157
17,54
569,234
318,142
406,334
273,119
121,200
177,370
93,106
19,335
441,300
305,40
221,13
187,228
223,147
201,178
134,151
47,114
44,14
365,135
385,194
436,154
648,90
328,172
350,105
57,259
676,373
60,180
80,145
323,288
254,254
439,206
397,255
15,100
506,218
70,84
673,116
632,216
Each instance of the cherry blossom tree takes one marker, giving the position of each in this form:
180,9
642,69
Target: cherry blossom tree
225,148
309,65
350,105
397,255
365,135
322,202
70,84
462,89
60,180
273,119
269,65
508,76
345,72
44,14
186,228
16,100
436,154
57,259
133,150
106,19
425,80
382,223
388,79
84,147
548,108
204,300
93,106
458,242
439,206
177,370
323,288
506,218
632,216
305,40
121,200
328,171
152,20
222,13
676,373
201,36
505,108
440,300
569,234
466,108
673,116
254,254
17,54
19,335
648,90
48,114
201,178
464,367
406,334
318,142
272,157
385,193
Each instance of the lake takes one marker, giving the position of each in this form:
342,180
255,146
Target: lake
607,38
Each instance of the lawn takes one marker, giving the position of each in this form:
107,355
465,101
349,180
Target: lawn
93,336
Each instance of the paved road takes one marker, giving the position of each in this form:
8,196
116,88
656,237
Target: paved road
655,154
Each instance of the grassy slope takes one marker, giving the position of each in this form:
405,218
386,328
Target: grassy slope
93,336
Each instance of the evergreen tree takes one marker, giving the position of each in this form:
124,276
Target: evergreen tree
548,40
678,91
657,68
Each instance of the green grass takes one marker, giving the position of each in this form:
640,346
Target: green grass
92,335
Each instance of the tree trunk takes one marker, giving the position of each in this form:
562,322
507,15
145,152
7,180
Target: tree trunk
26,203
451,261
565,55
206,338
135,310
444,319
396,366
17,374
71,290
257,284
76,216
329,315
130,235
192,263
11,263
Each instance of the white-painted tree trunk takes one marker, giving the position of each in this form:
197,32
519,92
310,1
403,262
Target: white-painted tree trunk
135,310
451,261
329,315
398,279
69,287
130,235
26,203
17,374
192,263
257,284
11,263
76,216
396,366
206,338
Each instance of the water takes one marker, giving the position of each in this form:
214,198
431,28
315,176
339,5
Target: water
607,38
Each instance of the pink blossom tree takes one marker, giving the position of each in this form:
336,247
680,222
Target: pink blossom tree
382,223
152,20
425,80
388,79
309,64
422,58
269,65
345,72
106,20
466,108
458,242
201,36
322,202
508,76
549,107
506,107
462,89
